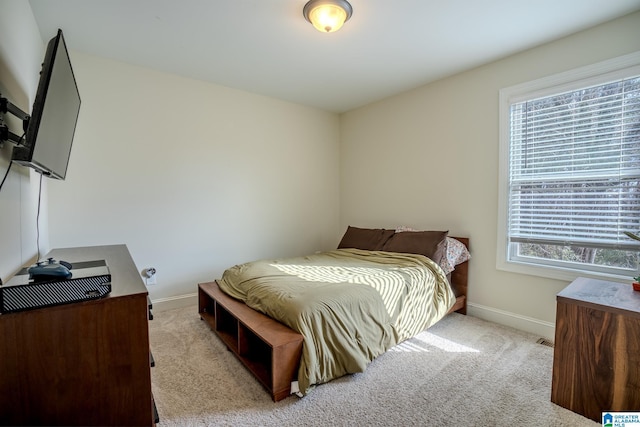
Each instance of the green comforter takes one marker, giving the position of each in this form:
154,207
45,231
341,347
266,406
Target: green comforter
350,305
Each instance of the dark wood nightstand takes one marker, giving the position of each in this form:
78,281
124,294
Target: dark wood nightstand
596,361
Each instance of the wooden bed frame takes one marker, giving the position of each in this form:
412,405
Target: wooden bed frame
460,282
270,350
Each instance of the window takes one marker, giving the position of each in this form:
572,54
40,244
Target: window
570,173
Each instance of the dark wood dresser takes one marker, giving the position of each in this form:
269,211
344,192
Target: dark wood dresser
596,362
84,363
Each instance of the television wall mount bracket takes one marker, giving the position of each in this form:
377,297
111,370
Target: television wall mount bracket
7,106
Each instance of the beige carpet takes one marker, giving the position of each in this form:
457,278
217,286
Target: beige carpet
461,372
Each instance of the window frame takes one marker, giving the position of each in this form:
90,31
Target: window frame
602,72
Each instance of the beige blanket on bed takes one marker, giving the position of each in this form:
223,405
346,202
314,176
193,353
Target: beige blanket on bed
350,305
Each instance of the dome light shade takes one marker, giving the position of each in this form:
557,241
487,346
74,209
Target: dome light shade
327,16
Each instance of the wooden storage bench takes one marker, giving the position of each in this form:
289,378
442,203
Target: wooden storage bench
270,350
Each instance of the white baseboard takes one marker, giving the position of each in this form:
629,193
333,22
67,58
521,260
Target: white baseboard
164,304
517,321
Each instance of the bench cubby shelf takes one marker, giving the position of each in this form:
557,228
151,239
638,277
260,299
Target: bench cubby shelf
270,350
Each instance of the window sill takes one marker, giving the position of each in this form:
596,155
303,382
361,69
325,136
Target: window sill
558,273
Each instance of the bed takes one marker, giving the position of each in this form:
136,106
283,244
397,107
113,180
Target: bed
348,306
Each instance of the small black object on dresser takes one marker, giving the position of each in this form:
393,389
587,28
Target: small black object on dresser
52,283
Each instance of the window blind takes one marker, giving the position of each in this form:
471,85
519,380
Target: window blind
575,167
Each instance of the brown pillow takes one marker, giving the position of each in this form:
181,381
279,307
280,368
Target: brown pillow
431,244
370,239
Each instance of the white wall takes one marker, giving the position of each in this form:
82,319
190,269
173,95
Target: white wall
21,54
428,158
194,177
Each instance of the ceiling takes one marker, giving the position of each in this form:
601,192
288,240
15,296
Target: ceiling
267,47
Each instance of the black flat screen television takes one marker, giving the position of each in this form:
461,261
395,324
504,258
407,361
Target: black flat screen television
52,125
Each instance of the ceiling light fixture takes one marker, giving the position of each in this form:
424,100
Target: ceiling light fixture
327,16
